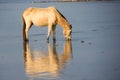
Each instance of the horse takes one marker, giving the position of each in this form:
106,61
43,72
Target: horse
50,17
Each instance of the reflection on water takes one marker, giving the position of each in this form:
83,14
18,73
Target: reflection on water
41,65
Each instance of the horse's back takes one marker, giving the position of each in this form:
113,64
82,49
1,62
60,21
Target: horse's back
40,16
35,10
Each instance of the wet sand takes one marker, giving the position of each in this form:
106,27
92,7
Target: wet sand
92,54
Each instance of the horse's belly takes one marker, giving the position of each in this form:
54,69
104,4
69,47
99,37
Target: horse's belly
44,19
40,22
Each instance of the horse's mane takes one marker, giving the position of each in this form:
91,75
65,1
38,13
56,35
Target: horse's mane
62,21
61,15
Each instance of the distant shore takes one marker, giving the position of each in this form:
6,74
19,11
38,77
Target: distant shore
47,1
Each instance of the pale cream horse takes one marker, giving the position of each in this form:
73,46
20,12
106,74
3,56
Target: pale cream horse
45,17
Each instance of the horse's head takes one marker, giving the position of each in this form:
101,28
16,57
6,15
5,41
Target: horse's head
68,33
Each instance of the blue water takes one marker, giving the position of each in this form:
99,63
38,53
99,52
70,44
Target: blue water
93,53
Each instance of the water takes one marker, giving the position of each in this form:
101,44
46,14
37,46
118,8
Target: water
93,53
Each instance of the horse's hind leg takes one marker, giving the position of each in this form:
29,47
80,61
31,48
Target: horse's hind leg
49,31
28,26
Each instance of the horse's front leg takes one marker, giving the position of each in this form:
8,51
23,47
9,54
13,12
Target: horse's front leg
49,31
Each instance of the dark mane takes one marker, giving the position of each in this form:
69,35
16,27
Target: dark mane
61,15
65,19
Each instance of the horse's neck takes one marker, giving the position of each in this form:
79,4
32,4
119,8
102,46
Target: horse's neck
63,23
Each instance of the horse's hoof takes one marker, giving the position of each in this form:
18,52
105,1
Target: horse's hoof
54,39
25,40
47,40
68,39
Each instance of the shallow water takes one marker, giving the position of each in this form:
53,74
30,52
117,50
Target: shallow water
93,53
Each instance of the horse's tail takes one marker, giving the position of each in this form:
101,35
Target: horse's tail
23,27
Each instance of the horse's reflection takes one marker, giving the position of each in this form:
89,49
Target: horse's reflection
38,64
